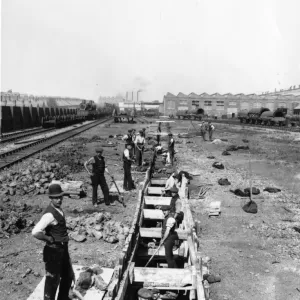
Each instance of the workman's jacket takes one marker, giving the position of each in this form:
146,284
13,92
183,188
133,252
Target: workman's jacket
58,231
211,127
98,165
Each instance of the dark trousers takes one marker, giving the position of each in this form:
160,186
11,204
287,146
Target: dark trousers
169,244
203,133
128,183
210,133
139,156
99,179
58,272
171,152
158,139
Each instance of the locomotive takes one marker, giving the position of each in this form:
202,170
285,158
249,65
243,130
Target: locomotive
193,114
264,116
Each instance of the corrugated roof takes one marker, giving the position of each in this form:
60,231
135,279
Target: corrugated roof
181,95
297,107
170,95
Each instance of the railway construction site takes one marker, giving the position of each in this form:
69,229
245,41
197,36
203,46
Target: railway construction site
240,234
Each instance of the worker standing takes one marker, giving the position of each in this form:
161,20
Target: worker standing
203,130
144,132
211,129
171,146
139,146
168,235
133,144
97,176
127,161
158,133
52,229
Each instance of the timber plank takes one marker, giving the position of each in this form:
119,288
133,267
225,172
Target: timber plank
154,190
154,232
150,200
162,277
153,214
146,252
158,181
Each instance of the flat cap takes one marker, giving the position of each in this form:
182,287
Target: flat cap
99,149
165,207
129,130
145,293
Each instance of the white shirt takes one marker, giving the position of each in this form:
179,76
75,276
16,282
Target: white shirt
126,153
139,139
46,220
170,222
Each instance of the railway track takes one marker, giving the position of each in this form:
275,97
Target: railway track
22,134
13,156
236,122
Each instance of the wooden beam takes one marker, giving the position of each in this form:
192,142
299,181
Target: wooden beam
158,181
147,252
152,200
154,190
153,214
154,232
162,277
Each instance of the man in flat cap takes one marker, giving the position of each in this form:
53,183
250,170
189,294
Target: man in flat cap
52,229
128,138
97,176
171,146
168,235
139,146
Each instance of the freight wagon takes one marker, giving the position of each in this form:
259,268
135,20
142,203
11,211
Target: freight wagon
20,111
190,115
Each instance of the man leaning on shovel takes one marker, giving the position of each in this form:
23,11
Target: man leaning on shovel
97,176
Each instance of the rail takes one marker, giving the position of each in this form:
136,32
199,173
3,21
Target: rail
11,157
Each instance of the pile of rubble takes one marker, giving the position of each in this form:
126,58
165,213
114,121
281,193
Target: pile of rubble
97,225
15,218
33,180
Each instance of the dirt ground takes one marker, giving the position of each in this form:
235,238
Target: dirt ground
13,263
256,255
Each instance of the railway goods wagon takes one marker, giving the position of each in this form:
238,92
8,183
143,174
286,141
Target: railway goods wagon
21,111
191,115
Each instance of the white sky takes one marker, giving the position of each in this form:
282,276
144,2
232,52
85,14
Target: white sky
88,48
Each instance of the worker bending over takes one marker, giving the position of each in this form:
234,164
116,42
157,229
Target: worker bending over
171,182
97,176
169,236
127,161
52,229
203,130
139,146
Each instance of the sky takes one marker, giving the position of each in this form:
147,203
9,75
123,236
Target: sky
92,48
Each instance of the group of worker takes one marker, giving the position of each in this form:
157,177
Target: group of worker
207,128
52,227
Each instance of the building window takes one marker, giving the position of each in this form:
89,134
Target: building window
183,102
232,103
171,104
220,103
257,105
195,102
207,103
244,105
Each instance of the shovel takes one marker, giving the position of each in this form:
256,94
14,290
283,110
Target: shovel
153,254
120,195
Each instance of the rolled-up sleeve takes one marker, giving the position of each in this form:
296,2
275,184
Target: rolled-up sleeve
45,221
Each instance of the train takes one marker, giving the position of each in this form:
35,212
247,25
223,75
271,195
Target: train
264,116
20,111
190,114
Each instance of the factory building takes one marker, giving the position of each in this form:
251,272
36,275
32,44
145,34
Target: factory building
227,105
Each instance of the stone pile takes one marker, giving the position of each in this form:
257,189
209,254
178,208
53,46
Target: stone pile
97,225
33,180
15,218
